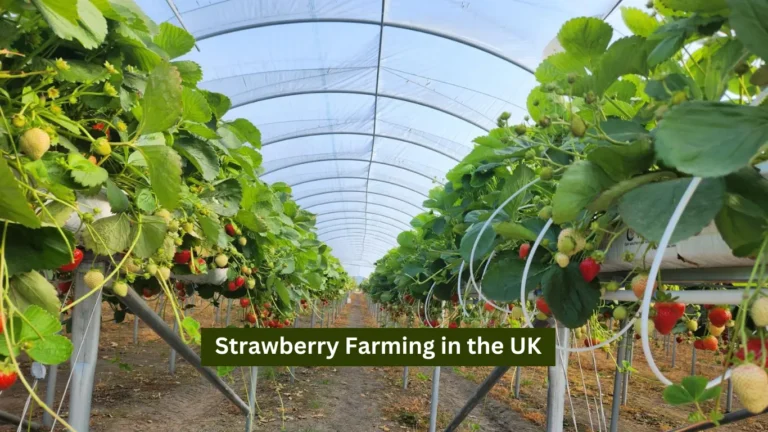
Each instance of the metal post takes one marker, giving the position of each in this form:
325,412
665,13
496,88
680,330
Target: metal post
292,369
405,378
629,357
172,362
518,378
140,308
729,397
435,399
674,353
216,316
50,393
86,327
693,362
251,399
136,329
557,383
618,381
229,312
479,394
322,317
312,320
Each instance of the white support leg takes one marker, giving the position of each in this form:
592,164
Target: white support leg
557,383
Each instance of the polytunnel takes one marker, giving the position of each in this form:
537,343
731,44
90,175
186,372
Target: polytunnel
364,105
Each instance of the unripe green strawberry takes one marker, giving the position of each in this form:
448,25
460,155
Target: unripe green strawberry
759,312
93,279
750,383
152,269
101,147
638,285
578,127
165,214
173,225
19,120
541,316
562,259
120,288
221,260
638,328
188,227
517,312
520,129
34,143
545,213
612,286
546,173
250,283
620,313
242,241
692,325
163,273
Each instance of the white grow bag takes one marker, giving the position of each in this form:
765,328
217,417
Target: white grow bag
213,277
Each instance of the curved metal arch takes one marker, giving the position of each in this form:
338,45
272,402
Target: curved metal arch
359,224
365,93
361,202
349,160
360,236
362,192
413,28
365,212
360,178
366,219
407,141
355,230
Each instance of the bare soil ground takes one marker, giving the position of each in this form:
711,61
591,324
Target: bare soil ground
134,391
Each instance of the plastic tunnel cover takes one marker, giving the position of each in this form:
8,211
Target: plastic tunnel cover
364,105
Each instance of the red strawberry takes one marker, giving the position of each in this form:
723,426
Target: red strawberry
77,256
542,306
589,269
667,314
63,287
287,322
489,307
698,344
239,281
267,306
232,286
7,377
182,257
2,323
708,343
679,339
719,316
251,317
491,323
408,298
455,298
99,126
244,302
434,323
754,347
453,325
591,342
230,229
525,249
146,293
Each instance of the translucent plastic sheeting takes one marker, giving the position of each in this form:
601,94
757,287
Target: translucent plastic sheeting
364,105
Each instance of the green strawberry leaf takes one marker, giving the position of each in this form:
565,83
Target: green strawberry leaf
571,299
32,288
36,249
153,230
503,279
84,172
639,22
174,40
201,154
53,349
162,102
225,198
585,38
109,235
13,205
118,200
484,246
190,72
648,208
196,107
677,395
581,183
164,173
39,323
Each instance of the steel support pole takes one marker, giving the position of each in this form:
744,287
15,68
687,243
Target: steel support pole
312,319
618,381
251,399
136,329
518,378
172,361
6,417
629,357
557,383
405,378
50,393
674,353
435,399
479,394
693,362
86,327
292,369
140,308
229,313
729,397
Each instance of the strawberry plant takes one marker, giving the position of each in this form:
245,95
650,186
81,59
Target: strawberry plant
616,132
110,150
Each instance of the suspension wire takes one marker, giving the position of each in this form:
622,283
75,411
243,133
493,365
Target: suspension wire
597,377
584,386
567,384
